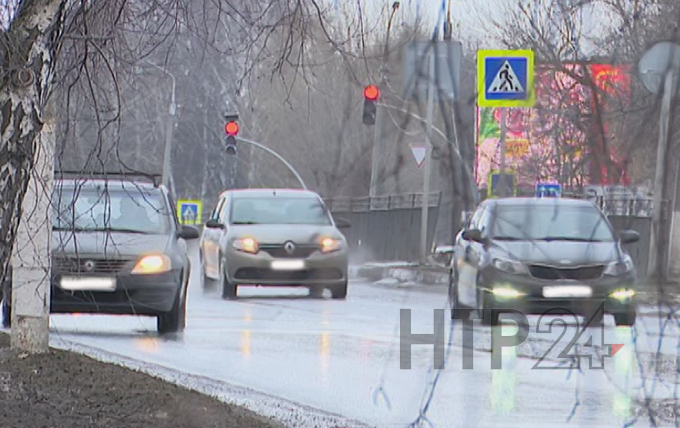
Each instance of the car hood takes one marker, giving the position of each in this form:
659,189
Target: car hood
559,252
109,243
279,234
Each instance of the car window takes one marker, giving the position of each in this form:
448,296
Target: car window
215,215
279,210
474,221
223,214
484,222
90,208
550,222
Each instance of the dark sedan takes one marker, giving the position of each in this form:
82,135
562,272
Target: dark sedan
117,248
540,256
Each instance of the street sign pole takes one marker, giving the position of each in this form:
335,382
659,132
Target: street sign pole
502,185
428,163
660,172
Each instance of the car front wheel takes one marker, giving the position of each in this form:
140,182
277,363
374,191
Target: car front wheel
625,318
229,289
339,291
173,321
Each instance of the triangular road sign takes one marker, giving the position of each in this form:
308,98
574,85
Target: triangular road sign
506,81
419,153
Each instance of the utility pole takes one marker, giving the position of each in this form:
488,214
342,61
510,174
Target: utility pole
31,255
428,162
169,129
380,112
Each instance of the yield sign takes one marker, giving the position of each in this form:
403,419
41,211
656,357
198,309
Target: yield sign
419,153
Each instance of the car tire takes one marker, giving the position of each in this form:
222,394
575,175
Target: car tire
625,318
489,315
339,292
316,292
174,320
229,289
457,312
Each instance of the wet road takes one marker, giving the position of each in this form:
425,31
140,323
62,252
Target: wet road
343,357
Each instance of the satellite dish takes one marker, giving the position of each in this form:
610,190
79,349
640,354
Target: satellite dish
661,58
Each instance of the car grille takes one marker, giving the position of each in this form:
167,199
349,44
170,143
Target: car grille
583,273
301,275
75,265
278,251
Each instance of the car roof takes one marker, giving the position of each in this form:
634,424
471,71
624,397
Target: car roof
272,192
113,184
519,201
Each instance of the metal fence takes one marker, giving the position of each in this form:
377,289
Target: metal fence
385,228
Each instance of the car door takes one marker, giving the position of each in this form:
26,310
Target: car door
210,239
469,255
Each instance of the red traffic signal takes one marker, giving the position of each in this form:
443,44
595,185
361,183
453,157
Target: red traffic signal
231,128
371,92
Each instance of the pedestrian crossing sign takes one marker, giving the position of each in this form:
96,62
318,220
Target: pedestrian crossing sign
505,78
189,211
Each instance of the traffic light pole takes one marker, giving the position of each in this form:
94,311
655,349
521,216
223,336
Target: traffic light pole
377,140
380,111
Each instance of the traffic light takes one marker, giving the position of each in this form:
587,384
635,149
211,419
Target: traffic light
231,129
371,94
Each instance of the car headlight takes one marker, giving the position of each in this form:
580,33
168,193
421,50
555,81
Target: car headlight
154,263
247,245
328,245
506,292
509,266
623,294
616,268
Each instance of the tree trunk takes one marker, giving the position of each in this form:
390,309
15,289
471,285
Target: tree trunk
29,51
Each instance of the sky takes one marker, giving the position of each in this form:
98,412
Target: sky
471,18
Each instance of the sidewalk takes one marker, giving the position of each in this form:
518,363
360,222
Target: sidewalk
65,389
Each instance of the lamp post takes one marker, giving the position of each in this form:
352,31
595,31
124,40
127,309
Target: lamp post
169,128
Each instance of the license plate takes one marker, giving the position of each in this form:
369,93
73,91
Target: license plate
288,264
88,284
567,291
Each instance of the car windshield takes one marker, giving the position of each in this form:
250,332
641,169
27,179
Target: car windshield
558,222
279,210
88,208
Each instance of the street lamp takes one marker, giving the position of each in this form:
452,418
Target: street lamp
169,128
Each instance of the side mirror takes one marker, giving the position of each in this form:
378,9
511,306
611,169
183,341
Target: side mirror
473,235
188,232
342,223
629,236
214,224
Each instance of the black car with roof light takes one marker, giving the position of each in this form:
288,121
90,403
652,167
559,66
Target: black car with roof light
536,255
117,248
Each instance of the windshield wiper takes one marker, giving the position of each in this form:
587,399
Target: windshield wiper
567,238
245,222
507,238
